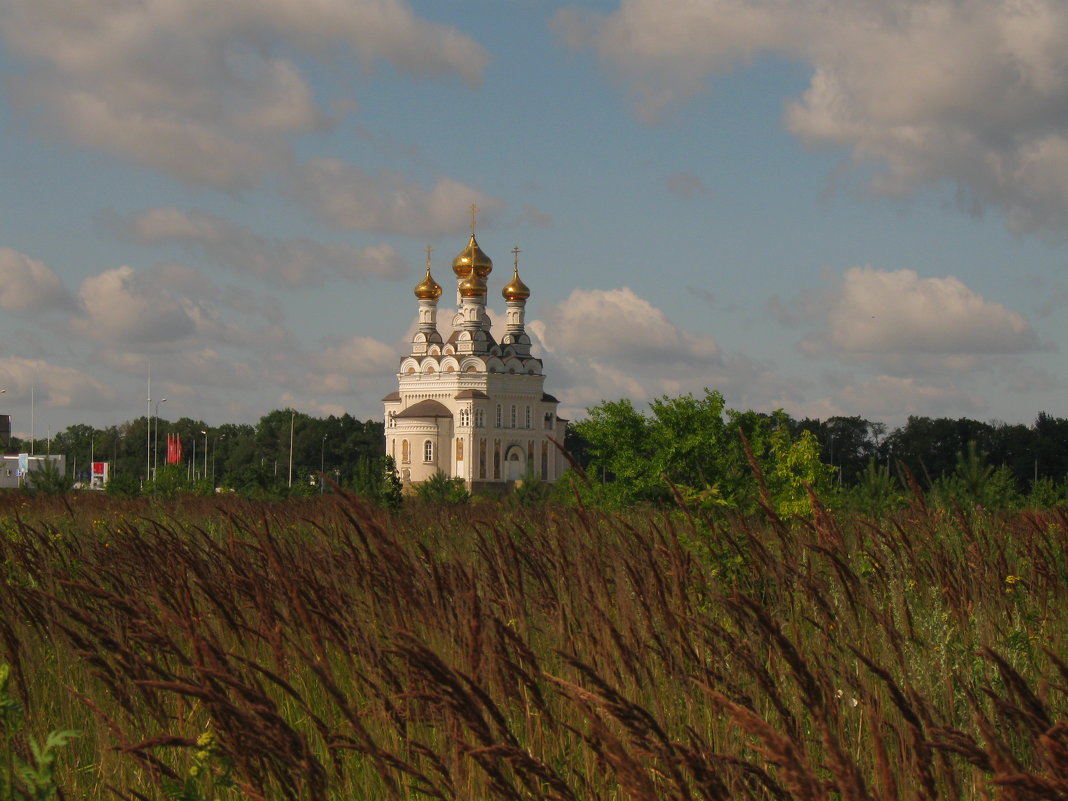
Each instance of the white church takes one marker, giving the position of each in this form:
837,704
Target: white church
467,405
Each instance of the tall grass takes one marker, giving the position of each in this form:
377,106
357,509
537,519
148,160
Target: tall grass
328,650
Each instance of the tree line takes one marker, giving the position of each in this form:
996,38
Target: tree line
250,459
695,448
686,448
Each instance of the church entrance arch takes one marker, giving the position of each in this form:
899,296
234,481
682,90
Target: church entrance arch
514,462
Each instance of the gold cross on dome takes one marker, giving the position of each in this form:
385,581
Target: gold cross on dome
474,210
428,249
516,251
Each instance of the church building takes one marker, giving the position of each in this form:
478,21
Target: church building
467,405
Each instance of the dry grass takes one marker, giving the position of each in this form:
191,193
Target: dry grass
335,652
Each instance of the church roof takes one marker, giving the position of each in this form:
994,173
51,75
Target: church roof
468,394
392,397
547,398
426,408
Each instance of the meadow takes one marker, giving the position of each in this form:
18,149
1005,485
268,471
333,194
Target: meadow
214,648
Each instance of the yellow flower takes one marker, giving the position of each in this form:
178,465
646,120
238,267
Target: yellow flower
1010,579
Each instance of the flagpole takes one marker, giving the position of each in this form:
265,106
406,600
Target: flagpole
148,432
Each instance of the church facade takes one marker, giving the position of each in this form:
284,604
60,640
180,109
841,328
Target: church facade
467,405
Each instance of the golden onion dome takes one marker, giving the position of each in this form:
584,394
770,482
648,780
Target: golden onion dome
472,256
474,286
516,289
428,288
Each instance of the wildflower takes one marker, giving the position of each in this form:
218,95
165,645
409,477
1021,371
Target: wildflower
1010,579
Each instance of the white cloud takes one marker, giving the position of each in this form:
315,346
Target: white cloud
893,398
122,306
311,406
617,324
685,185
27,285
966,92
294,262
346,197
359,356
535,217
607,344
898,313
209,91
53,386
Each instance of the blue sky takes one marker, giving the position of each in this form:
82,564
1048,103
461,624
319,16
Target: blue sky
827,206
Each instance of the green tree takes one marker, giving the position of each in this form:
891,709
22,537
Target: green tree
123,484
875,492
694,445
440,490
975,483
47,479
168,482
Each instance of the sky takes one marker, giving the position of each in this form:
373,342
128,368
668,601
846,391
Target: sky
832,207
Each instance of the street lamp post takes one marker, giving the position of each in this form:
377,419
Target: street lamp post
322,465
205,433
155,439
214,450
292,417
148,428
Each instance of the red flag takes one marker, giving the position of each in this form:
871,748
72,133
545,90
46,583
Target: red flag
174,449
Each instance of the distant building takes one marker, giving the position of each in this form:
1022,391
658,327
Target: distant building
467,405
17,468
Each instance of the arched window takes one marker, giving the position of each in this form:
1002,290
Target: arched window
392,419
527,425
500,417
465,417
480,418
459,450
405,453
512,424
548,421
428,451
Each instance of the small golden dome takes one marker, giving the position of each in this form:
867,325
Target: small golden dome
472,255
428,288
516,289
474,286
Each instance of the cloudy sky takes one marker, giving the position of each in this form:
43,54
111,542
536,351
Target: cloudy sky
827,206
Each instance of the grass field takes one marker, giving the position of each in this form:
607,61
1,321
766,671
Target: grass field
327,650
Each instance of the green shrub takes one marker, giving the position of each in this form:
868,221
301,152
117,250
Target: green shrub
441,490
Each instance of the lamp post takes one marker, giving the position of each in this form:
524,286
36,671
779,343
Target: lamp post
322,465
205,433
148,431
214,450
292,417
155,439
